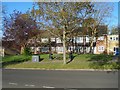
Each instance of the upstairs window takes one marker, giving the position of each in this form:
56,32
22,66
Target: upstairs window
114,38
110,38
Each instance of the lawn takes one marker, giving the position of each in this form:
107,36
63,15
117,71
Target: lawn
82,61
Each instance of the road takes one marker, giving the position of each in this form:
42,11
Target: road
58,79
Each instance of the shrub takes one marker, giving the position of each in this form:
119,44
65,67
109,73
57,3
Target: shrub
102,58
15,59
27,51
102,61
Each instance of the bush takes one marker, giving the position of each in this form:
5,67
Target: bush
15,59
102,58
27,51
102,61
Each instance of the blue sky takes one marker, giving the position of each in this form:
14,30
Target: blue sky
24,6
114,19
20,6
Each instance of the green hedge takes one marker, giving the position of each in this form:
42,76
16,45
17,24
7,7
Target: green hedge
16,58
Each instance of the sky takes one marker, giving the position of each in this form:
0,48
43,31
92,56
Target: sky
20,6
24,6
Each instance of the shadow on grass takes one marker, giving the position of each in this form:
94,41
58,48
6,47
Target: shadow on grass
41,59
12,60
4,64
71,59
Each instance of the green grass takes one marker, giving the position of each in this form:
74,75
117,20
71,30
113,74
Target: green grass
83,61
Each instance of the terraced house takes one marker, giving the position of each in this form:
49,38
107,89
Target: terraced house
107,44
77,41
46,43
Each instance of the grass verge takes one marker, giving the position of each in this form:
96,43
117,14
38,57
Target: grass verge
83,61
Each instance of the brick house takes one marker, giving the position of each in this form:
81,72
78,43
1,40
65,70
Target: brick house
101,44
108,44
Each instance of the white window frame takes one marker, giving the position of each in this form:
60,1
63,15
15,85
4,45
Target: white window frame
101,48
114,38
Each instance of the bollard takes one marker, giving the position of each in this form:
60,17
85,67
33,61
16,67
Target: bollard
71,56
50,56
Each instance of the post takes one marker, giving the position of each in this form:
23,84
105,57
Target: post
3,52
70,56
108,45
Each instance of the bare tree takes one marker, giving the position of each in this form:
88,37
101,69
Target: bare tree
96,21
62,17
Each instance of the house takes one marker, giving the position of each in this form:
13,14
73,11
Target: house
78,44
2,51
113,44
107,44
101,44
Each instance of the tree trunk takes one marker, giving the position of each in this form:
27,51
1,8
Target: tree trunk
22,49
72,44
84,43
55,45
91,45
76,47
35,52
92,40
50,46
64,48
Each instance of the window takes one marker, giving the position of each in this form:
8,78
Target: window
101,38
116,38
87,39
78,39
45,49
114,48
110,38
44,40
60,49
52,39
58,40
101,48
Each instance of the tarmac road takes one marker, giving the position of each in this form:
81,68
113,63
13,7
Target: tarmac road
13,78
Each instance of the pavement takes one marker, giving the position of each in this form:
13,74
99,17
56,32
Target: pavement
64,69
28,78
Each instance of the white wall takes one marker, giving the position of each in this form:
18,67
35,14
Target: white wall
44,40
59,49
58,40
